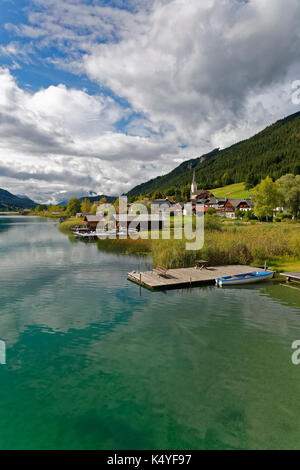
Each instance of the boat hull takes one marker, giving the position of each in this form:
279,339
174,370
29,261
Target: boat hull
249,278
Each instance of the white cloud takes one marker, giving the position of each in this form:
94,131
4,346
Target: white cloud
66,139
195,65
201,74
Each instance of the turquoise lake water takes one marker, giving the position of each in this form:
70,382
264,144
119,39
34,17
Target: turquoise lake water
95,362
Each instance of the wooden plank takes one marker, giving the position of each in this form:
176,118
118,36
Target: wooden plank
292,276
185,277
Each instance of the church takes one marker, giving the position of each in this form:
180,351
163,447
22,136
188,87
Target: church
198,195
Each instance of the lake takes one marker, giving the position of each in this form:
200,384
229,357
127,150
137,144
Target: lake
95,362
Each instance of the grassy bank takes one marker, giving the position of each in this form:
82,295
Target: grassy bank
241,244
279,244
285,264
234,243
126,246
68,224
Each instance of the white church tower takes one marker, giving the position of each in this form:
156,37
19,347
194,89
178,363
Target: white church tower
193,185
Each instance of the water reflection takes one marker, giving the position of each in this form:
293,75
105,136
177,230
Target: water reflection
92,364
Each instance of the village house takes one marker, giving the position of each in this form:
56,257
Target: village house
215,202
177,209
210,203
25,212
139,222
200,209
83,214
162,205
123,221
91,221
232,205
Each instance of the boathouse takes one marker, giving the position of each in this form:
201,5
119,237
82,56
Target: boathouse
138,222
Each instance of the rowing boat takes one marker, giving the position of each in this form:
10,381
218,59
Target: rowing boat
247,278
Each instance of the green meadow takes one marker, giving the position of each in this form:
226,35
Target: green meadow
236,190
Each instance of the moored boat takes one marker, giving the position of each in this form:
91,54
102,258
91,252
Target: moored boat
248,278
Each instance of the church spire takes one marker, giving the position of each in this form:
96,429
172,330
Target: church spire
194,184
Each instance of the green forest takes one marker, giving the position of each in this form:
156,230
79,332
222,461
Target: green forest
10,202
273,152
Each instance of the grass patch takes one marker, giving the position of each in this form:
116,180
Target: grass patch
125,246
236,190
68,224
285,264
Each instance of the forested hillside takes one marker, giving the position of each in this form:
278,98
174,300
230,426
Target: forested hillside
10,202
272,152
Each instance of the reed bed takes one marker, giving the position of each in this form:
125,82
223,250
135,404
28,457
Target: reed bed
126,246
232,243
242,244
68,224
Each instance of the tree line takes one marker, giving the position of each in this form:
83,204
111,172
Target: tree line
282,193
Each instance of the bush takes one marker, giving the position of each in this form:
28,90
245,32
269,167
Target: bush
211,211
239,214
249,215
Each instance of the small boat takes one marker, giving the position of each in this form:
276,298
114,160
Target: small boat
248,278
84,234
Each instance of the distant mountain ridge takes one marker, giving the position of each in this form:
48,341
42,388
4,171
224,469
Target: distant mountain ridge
22,196
97,198
272,152
10,202
91,199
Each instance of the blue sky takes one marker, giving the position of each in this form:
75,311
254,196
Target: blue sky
103,95
36,71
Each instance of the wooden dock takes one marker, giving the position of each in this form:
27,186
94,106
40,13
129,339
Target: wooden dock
187,277
293,276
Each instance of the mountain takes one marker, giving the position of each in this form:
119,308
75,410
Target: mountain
272,152
97,198
10,202
91,198
22,196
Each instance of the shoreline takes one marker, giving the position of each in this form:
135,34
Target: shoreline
235,243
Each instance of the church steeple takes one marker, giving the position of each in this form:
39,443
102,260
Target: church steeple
194,184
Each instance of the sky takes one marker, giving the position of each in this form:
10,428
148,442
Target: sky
101,95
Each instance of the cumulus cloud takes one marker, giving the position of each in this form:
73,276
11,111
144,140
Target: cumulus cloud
195,64
67,138
194,74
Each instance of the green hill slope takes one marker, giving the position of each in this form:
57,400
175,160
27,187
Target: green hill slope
10,202
236,190
274,151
